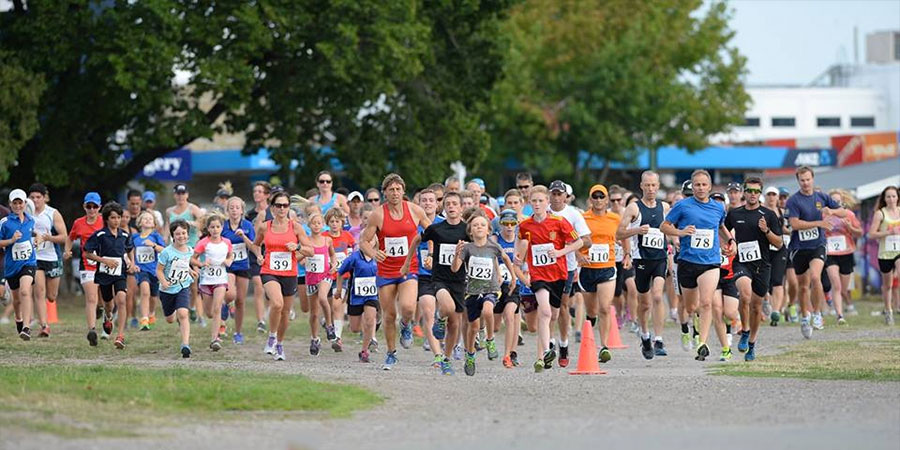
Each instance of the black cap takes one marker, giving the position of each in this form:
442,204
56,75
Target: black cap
734,186
558,185
484,200
180,188
718,196
687,188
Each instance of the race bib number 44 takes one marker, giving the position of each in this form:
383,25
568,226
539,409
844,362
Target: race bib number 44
702,239
749,251
654,239
396,246
540,255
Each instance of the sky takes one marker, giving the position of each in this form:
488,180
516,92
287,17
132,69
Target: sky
794,41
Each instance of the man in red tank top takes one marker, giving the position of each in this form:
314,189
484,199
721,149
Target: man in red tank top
396,225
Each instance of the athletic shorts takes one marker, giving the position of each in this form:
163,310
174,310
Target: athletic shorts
528,302
571,286
887,265
254,270
779,268
288,284
142,276
507,298
554,287
475,304
108,291
457,292
688,273
621,276
209,289
314,288
240,273
728,288
845,263
357,310
645,270
301,280
802,257
759,274
588,278
49,268
826,281
426,286
172,302
380,281
15,281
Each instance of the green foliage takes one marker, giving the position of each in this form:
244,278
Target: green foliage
20,92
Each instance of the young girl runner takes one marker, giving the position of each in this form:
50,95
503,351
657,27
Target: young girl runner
319,270
20,263
241,234
343,243
176,276
363,297
147,244
213,255
508,306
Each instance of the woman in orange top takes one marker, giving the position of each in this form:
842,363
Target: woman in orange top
597,276
840,245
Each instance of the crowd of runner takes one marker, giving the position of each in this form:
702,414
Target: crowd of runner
454,265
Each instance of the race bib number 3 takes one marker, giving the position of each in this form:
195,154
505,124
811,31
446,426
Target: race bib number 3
809,234
281,261
598,253
446,253
654,239
240,251
702,239
837,243
109,270
892,243
480,268
364,287
145,255
21,251
540,255
749,251
315,264
396,246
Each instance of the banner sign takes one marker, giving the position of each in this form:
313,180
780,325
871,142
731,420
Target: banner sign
174,166
811,157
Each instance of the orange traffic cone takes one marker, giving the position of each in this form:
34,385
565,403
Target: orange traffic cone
615,341
587,356
51,312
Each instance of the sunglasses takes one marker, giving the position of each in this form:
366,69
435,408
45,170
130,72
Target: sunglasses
373,200
508,224
91,206
771,193
324,181
753,191
615,199
598,195
281,205
524,186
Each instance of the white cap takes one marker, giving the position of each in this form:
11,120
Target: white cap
17,194
568,189
771,190
29,206
355,194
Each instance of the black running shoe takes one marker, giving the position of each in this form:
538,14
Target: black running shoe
521,341
25,334
563,357
549,356
19,326
647,348
702,352
92,337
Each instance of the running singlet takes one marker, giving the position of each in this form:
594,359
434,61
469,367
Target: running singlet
327,205
602,252
652,245
510,249
808,208
394,238
889,246
82,231
752,244
43,224
187,216
840,241
552,233
279,260
702,247
318,267
343,245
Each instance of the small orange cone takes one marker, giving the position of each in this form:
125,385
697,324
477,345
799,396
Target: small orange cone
587,354
51,312
615,341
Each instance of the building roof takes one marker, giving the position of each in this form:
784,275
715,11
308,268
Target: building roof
867,180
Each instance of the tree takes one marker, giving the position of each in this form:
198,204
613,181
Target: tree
610,78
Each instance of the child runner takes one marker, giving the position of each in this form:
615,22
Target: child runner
343,243
319,270
213,255
241,234
147,244
363,297
176,276
508,305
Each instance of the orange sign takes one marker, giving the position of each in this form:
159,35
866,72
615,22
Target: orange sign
879,146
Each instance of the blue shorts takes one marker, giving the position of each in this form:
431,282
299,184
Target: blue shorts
475,305
589,278
142,276
172,302
379,281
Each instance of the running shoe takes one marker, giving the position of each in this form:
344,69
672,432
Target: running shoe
223,313
578,336
751,353
889,318
202,321
223,332
261,327
363,356
766,308
851,310
329,333
659,349
686,343
521,341
696,341
549,356
426,346
107,328
563,358
315,345
215,345
439,329
492,349
469,367
152,321
25,334
293,315
647,348
406,338
92,337
270,346
436,362
145,325
805,328
45,331
279,352
792,311
458,352
514,357
673,314
604,355
478,346
99,312
538,366
446,367
774,318
507,362
133,323
817,321
726,354
390,360
841,320
185,351
744,342
729,339
337,345
120,342
192,313
702,352
417,331
373,345
238,339
635,328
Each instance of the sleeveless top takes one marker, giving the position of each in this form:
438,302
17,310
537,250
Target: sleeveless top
394,238
187,216
651,246
43,224
279,260
327,205
318,267
886,251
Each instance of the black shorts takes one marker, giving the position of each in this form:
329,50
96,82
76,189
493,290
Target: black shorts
172,302
457,292
528,302
48,267
507,298
475,305
758,272
571,286
645,270
288,284
728,288
802,257
688,273
357,310
826,281
240,273
15,281
301,280
845,263
621,276
779,267
108,291
588,278
254,270
555,288
426,286
887,265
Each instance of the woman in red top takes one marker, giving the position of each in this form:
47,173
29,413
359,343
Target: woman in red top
82,229
840,245
279,268
396,225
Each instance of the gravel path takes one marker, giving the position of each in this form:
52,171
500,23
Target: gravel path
669,401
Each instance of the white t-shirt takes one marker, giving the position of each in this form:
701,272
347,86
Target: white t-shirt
581,229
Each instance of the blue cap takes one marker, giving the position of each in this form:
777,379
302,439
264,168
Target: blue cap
92,197
508,215
784,191
477,181
149,196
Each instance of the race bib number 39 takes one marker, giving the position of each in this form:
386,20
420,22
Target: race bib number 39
598,253
809,234
281,261
749,251
654,239
702,239
540,255
364,287
480,268
396,246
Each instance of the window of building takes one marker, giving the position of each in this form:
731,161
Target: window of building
783,122
751,121
896,46
823,122
867,122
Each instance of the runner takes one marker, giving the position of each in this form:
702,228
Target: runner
886,228
147,243
354,224
755,228
699,223
790,275
735,195
427,305
524,183
725,302
111,248
82,229
259,214
191,214
149,201
130,223
325,198
806,210
641,223
363,297
240,232
50,231
778,258
598,265
176,276
395,224
840,246
625,293
320,268
220,201
342,244
507,307
213,256
20,263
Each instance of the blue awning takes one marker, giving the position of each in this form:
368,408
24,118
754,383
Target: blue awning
232,160
674,158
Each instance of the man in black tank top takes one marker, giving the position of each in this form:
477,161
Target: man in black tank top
641,222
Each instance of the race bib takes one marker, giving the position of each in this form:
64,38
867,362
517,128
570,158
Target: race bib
396,246
340,257
724,261
598,253
87,276
281,261
837,243
179,271
540,255
315,264
481,268
240,251
809,234
364,287
749,251
214,275
702,239
109,270
21,251
620,252
446,253
45,245
505,276
144,254
892,243
654,239
786,239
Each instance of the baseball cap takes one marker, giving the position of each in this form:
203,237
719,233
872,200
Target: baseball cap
734,186
149,196
180,188
223,193
557,185
784,191
355,194
92,197
484,200
718,196
17,194
477,181
507,216
687,188
569,189
771,190
598,187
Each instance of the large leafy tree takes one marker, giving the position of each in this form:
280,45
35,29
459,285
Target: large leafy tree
608,78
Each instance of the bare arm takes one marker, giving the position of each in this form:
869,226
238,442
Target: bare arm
623,232
376,220
798,224
60,226
877,218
